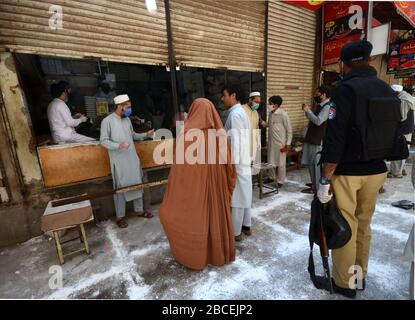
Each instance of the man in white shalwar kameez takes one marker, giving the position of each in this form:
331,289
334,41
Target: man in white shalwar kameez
238,129
62,124
117,135
407,113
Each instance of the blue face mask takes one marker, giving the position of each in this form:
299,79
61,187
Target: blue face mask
127,112
255,106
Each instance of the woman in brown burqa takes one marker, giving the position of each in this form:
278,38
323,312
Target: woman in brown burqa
196,209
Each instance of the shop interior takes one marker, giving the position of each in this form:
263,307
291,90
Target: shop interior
95,83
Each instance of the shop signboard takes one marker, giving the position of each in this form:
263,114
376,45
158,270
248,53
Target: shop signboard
402,58
343,22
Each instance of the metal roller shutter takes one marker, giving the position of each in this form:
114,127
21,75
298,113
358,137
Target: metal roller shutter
111,30
291,57
205,34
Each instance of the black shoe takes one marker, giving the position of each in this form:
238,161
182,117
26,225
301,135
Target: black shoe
279,185
348,293
309,185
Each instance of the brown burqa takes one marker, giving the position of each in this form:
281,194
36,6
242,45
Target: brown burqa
196,209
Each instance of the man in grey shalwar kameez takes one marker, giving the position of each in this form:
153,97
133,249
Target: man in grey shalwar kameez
238,130
117,135
280,135
315,133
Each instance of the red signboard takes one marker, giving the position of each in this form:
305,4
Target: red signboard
407,10
343,22
311,5
402,58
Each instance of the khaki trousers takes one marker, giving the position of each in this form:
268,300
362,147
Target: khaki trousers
356,198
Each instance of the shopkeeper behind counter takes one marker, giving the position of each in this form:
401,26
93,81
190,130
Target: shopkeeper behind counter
62,124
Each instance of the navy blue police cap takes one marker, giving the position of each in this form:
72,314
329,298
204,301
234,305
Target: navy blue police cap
356,51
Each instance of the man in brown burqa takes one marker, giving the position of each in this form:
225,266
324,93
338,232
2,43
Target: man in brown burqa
196,209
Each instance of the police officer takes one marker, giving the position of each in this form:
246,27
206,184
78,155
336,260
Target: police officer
353,173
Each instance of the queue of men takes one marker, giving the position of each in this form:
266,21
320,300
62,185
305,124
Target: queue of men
353,148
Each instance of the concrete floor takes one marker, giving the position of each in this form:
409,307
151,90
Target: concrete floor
136,263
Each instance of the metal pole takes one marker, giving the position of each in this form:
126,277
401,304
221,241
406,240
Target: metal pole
369,21
172,62
266,53
264,137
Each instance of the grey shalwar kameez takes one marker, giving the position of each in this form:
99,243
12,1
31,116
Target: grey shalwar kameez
280,135
125,164
310,151
407,104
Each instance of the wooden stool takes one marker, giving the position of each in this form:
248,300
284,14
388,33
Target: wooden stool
266,167
66,217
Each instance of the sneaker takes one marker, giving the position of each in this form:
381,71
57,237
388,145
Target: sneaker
348,293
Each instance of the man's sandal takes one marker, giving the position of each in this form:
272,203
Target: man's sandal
145,214
122,223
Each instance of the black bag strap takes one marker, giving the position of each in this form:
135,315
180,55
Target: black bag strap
311,266
318,281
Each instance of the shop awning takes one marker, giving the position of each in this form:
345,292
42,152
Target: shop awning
401,14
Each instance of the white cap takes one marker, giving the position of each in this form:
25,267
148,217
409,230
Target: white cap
397,87
121,98
255,94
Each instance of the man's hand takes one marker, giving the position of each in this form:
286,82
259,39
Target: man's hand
306,107
323,193
123,145
151,134
83,118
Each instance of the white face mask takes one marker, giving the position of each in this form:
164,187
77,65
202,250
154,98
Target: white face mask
270,107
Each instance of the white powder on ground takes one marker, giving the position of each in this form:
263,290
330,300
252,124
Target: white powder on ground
122,265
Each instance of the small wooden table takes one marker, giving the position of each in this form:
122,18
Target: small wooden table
65,217
263,168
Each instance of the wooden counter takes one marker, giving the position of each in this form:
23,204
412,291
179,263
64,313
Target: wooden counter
71,163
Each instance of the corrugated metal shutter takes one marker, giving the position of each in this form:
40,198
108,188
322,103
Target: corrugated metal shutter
111,30
219,34
291,57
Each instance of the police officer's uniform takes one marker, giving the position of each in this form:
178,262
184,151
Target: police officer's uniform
355,183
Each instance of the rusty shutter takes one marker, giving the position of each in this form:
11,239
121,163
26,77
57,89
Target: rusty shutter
219,34
121,30
291,57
